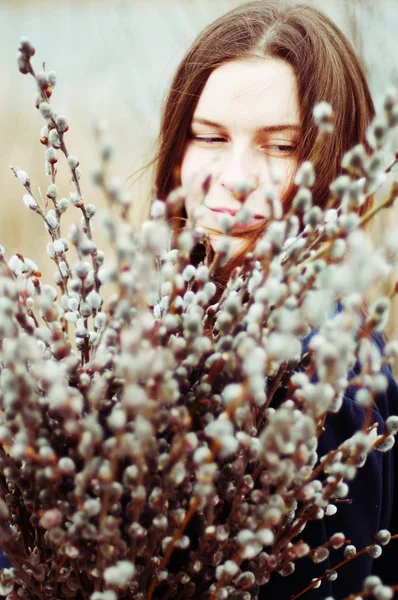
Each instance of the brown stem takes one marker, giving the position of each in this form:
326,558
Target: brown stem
394,588
275,385
391,166
387,203
170,547
236,559
334,568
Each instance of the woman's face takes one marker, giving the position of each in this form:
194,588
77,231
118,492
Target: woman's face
244,130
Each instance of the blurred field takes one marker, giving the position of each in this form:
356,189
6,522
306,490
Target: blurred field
114,61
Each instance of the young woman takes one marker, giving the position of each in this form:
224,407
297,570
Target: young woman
240,108
262,65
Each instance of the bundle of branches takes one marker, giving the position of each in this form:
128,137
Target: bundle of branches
161,444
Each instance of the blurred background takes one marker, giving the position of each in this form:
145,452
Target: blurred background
114,61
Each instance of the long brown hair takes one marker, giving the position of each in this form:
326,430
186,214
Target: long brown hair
326,69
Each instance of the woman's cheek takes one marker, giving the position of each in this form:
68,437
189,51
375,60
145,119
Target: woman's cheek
191,179
191,168
197,165
287,173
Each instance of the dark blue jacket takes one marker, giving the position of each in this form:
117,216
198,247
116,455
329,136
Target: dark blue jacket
374,506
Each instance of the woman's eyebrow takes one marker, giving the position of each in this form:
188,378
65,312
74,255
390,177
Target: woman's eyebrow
262,129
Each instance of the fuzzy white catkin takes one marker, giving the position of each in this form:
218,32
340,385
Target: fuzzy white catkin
52,220
374,551
73,162
231,568
51,155
73,303
392,424
364,397
16,265
62,205
391,350
219,428
244,215
29,201
82,269
210,289
172,257
337,540
105,595
198,213
188,273
202,274
58,247
379,383
42,78
331,509
63,267
120,574
168,274
305,175
322,111
338,249
23,177
44,132
46,110
94,300
232,392
386,444
57,277
383,592
48,292
158,209
201,455
370,583
263,248
90,210
224,246
74,198
226,222
349,551
379,313
54,138
265,536
70,316
185,241
383,537
66,465
99,320
117,419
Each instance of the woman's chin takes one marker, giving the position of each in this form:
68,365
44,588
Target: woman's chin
218,243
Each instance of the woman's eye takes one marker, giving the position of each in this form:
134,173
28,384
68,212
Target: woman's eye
280,148
208,139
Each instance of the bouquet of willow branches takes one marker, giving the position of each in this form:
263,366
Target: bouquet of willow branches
129,425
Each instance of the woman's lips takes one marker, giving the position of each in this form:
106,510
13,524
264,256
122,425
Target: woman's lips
254,221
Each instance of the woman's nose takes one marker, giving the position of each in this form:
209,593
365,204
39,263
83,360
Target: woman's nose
239,172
